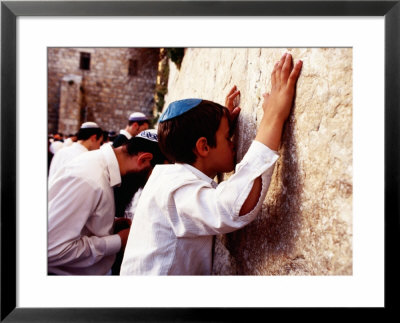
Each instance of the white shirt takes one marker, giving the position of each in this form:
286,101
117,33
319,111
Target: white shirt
64,155
125,133
131,208
180,210
81,215
56,146
67,142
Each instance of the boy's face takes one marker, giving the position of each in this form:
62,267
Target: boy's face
222,156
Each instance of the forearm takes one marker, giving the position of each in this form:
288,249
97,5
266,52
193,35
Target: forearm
269,134
270,131
84,251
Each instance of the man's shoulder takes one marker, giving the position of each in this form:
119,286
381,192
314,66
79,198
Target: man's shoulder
119,140
170,170
121,136
67,150
87,162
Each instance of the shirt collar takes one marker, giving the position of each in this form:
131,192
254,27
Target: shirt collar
200,175
112,165
80,146
125,133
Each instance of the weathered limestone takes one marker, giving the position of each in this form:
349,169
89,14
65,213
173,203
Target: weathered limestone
119,82
70,104
305,227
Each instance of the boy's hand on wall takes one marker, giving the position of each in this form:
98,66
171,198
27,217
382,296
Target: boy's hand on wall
279,102
230,103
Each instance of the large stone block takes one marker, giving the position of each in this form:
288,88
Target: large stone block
106,86
70,104
305,226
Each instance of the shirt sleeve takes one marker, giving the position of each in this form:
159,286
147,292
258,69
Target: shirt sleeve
54,165
72,201
198,209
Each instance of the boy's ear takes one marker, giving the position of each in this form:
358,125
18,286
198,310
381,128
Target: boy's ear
144,158
202,148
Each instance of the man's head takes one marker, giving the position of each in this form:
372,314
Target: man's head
58,137
90,135
189,127
112,135
143,145
140,154
137,122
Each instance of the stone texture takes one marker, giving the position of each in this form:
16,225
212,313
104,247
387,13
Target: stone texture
70,104
305,226
108,93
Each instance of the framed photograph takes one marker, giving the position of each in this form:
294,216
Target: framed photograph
371,29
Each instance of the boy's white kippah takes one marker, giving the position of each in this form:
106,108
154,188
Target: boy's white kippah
149,134
89,124
137,116
177,108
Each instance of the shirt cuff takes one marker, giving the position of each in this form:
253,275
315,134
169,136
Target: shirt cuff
113,244
259,156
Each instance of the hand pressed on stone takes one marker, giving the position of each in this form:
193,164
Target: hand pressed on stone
233,108
278,103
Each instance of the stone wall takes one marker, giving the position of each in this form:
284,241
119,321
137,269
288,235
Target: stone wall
109,93
305,226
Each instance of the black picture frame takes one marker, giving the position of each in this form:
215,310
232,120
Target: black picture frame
10,10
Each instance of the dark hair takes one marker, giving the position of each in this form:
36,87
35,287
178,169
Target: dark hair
136,145
139,122
123,194
86,133
177,137
105,135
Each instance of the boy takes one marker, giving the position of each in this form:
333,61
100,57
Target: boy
181,207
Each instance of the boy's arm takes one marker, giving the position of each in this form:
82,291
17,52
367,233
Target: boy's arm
276,106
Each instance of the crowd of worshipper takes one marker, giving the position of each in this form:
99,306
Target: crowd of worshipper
149,201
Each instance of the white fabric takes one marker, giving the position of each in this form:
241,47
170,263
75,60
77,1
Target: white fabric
68,142
125,133
180,210
81,215
64,155
131,208
56,146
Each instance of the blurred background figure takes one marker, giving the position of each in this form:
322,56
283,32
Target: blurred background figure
111,136
70,140
137,122
89,137
57,143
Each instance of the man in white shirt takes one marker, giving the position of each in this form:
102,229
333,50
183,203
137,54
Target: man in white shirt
90,137
137,122
70,140
81,239
56,144
181,207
